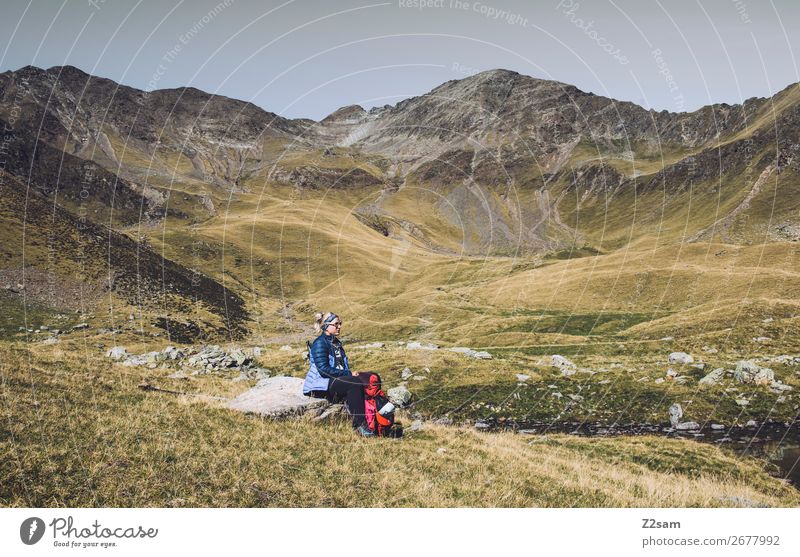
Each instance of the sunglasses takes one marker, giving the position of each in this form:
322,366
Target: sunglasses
337,324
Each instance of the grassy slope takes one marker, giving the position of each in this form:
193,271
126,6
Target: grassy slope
277,246
46,238
75,433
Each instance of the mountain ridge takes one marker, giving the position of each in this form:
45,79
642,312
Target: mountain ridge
498,164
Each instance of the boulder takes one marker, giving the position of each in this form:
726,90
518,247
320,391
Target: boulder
675,414
687,426
778,387
680,358
399,396
117,353
421,346
521,377
564,365
238,356
713,378
477,354
136,360
276,397
748,371
406,374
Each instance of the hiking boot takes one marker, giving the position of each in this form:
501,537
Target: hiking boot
364,431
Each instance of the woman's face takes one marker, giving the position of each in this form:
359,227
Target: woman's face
334,327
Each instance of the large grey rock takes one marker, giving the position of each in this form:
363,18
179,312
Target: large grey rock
779,387
421,346
675,414
477,354
117,353
276,397
680,358
687,426
399,396
406,374
750,372
564,365
238,356
713,378
136,360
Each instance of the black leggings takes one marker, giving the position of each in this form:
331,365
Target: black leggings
351,390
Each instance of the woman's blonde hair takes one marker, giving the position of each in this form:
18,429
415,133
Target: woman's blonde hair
319,319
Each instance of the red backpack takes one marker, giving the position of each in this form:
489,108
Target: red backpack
374,400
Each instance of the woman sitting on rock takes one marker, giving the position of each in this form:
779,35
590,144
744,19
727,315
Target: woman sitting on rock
329,374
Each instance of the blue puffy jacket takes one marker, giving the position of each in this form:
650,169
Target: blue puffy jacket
321,369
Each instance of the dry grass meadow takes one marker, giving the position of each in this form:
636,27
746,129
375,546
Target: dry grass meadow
77,431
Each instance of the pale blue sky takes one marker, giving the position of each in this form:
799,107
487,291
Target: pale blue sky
293,57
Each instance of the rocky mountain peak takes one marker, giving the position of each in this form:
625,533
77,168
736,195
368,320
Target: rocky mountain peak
346,115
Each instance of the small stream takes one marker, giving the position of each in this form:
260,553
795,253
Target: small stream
774,442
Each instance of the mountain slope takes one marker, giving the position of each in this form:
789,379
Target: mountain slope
106,269
382,207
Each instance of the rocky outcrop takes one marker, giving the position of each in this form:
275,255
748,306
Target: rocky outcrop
565,366
205,360
749,372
